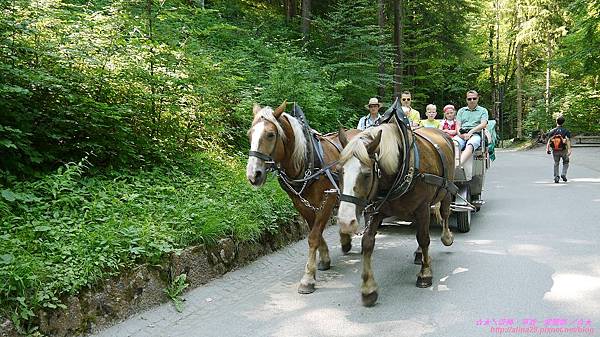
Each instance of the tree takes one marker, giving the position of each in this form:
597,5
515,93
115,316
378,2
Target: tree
306,19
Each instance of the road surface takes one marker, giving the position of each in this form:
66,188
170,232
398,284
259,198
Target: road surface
530,263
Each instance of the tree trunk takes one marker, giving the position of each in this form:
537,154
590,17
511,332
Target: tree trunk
519,79
381,60
497,29
290,10
305,19
398,40
548,70
492,68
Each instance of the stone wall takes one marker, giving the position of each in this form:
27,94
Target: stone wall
143,287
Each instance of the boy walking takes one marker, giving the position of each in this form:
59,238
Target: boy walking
559,144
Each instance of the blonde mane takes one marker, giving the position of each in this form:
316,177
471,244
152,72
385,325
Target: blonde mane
299,151
388,148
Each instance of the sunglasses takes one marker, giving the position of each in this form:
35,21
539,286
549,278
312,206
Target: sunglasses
405,99
373,106
472,98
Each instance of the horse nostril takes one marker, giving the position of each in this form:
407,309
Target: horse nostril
258,174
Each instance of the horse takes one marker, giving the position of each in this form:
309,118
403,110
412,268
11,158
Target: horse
372,164
279,139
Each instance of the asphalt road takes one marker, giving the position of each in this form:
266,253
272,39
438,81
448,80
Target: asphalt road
530,262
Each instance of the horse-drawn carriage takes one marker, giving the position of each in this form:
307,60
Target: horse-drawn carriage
388,170
470,177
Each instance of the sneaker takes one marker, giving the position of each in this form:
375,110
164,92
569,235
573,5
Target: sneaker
556,180
564,178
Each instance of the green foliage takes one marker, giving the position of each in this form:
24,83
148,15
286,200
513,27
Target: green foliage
67,231
175,289
350,45
300,80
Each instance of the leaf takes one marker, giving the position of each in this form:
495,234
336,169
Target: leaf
7,143
6,259
42,228
9,195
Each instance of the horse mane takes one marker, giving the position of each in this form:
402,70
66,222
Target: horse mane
388,148
299,152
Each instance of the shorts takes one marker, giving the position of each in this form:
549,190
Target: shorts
475,141
461,142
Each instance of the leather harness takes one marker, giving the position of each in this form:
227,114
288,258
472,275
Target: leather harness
314,164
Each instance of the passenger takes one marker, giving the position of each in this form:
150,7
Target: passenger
431,113
559,140
450,125
413,115
472,118
373,118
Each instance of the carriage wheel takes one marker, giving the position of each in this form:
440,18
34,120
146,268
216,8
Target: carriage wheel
463,219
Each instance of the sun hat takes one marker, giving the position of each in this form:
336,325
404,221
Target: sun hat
373,101
448,107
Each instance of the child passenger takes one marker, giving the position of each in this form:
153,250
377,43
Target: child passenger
430,122
451,126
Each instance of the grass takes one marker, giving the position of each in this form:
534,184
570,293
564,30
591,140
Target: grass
67,231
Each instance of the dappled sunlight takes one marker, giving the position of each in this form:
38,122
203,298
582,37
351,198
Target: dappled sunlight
459,270
490,251
586,180
279,303
351,261
529,250
578,242
571,180
576,291
479,242
335,322
442,287
549,182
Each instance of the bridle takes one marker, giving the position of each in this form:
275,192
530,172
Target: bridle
364,202
265,157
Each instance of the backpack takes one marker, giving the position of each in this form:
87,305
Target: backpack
558,142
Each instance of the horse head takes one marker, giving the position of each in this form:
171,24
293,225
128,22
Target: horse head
266,136
359,177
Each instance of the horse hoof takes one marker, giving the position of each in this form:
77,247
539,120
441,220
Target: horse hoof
418,258
346,248
369,300
324,265
424,282
306,288
448,241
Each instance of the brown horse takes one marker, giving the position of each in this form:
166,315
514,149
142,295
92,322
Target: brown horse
279,137
370,164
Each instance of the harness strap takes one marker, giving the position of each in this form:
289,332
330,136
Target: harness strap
444,183
326,169
260,155
404,179
353,200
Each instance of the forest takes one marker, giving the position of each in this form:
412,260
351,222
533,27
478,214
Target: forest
123,123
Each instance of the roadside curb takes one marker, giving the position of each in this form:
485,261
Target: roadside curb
142,287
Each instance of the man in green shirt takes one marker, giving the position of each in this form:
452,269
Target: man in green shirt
473,118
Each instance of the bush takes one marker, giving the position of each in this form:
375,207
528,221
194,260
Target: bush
67,231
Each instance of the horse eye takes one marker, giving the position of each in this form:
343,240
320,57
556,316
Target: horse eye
270,135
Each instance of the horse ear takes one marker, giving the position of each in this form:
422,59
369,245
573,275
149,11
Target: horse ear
375,143
280,109
342,137
255,109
